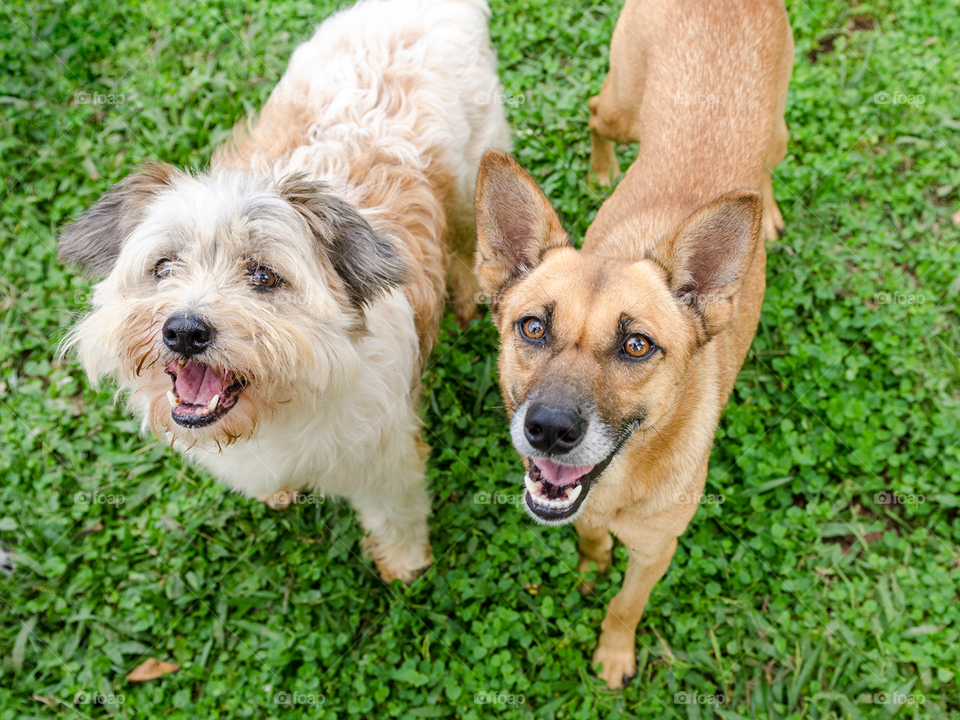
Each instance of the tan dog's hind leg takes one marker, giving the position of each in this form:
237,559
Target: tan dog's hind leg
610,122
772,218
596,546
616,650
615,112
604,169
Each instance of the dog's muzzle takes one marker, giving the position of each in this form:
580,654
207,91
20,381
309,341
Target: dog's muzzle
202,394
567,449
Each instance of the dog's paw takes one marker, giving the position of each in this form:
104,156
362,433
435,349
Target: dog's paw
604,178
618,665
279,500
403,563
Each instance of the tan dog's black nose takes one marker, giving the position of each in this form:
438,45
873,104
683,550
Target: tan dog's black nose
187,334
553,429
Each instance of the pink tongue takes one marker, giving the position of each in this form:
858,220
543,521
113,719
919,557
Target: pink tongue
197,384
561,474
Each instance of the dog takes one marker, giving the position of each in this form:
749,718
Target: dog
271,317
616,360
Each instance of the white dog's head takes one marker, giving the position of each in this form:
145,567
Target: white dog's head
226,295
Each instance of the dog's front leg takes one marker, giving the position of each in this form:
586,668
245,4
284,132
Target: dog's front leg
596,546
616,649
394,512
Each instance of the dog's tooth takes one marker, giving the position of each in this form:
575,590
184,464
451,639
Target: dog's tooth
212,405
531,484
180,364
172,398
574,494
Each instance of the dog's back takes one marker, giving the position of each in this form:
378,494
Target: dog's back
698,84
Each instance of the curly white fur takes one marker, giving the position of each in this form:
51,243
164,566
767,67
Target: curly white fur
391,105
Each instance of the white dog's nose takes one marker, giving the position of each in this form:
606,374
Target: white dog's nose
187,334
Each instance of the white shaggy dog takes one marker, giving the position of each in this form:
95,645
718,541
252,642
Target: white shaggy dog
272,317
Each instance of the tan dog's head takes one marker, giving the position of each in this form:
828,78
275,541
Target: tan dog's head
595,349
227,296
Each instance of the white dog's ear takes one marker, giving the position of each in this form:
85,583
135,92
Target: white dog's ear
93,240
367,264
708,256
515,224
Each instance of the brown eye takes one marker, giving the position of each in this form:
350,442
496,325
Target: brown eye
263,278
637,346
533,329
163,268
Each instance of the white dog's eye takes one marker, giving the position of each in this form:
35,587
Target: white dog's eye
163,268
263,278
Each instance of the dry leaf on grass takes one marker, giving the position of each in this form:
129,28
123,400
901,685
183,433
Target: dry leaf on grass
151,670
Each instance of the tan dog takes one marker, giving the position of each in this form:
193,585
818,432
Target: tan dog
617,360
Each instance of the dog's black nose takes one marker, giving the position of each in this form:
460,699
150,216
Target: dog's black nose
554,429
187,334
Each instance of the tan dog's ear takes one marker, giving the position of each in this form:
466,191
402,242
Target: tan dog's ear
515,224
708,257
94,240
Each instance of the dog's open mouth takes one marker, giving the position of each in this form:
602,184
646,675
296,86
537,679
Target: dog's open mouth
556,492
201,394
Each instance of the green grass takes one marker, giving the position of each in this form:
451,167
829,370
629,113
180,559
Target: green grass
805,594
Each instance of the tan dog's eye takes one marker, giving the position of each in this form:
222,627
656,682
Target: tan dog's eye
533,328
263,278
637,346
163,268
